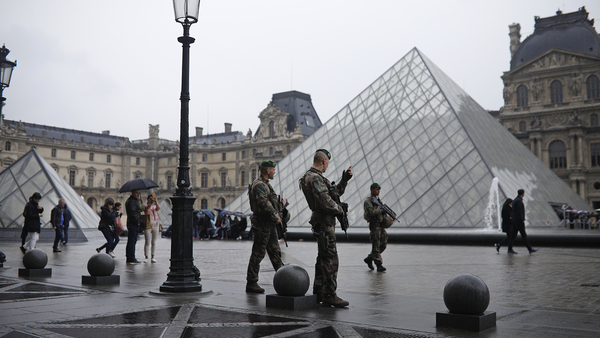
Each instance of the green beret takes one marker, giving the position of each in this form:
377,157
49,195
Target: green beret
375,185
267,164
326,153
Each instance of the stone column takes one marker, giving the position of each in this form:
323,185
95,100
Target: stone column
580,151
571,155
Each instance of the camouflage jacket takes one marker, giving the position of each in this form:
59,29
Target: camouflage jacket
372,212
262,199
316,191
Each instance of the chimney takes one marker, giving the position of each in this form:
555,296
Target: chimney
227,127
515,37
198,131
106,132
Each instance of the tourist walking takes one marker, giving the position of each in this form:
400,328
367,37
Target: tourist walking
378,220
151,231
265,218
507,224
317,190
57,220
32,214
67,216
518,219
134,216
107,226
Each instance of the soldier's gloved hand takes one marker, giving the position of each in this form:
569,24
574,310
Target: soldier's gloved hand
347,174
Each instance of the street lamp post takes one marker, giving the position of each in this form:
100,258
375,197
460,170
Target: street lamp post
183,275
6,68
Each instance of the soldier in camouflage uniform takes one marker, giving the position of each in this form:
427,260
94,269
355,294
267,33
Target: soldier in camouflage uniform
316,189
374,215
266,217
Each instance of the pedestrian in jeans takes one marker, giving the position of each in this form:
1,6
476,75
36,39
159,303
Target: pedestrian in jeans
107,226
57,219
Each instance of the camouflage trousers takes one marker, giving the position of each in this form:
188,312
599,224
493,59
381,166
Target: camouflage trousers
265,240
326,267
378,238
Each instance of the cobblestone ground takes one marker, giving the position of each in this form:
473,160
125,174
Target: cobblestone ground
552,293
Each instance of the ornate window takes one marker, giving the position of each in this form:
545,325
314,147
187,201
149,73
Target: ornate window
204,157
203,180
204,203
522,96
593,87
594,120
73,153
272,129
91,156
53,152
223,178
242,178
107,180
556,93
522,127
7,146
138,161
72,174
221,203
90,179
558,154
595,152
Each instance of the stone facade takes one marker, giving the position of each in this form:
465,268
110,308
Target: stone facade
97,164
552,101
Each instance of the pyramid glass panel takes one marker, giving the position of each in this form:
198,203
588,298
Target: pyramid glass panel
433,149
30,174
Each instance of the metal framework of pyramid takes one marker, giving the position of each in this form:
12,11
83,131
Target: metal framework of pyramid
434,151
30,174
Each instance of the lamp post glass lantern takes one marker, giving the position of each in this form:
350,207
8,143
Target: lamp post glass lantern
183,276
6,68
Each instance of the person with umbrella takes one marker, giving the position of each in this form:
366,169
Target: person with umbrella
134,216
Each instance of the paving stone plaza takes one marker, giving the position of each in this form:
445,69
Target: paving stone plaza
552,293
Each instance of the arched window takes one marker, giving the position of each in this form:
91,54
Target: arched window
204,203
558,154
221,203
594,120
522,127
272,129
556,95
91,202
522,96
593,87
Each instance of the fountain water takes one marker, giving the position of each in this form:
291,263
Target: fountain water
493,210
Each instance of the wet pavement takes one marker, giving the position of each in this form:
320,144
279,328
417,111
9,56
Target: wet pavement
552,293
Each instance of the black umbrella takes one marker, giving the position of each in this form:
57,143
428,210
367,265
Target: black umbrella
138,184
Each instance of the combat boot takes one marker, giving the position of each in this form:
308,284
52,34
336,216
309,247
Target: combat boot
369,262
335,301
380,268
254,288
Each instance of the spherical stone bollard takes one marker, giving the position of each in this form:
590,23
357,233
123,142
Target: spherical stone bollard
101,264
466,294
291,280
35,259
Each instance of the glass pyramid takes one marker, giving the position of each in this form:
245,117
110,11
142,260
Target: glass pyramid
29,174
434,151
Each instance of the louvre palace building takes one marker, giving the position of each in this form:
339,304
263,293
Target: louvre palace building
552,97
96,164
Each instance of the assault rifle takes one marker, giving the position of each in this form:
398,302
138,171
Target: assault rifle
384,207
282,229
344,224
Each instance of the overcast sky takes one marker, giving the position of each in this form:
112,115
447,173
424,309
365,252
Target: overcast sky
116,64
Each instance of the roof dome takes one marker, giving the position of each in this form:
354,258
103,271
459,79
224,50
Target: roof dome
570,32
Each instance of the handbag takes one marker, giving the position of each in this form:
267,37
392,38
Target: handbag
146,222
118,226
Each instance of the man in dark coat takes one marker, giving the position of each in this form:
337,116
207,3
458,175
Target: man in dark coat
57,219
134,217
518,219
32,213
66,221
